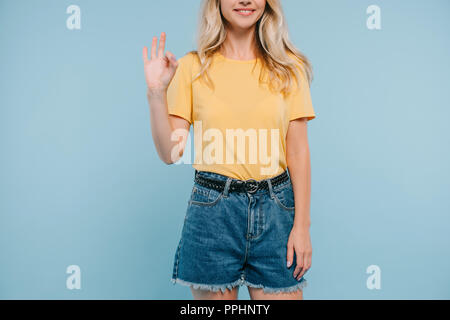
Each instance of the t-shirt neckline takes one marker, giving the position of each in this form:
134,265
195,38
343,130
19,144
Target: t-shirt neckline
235,60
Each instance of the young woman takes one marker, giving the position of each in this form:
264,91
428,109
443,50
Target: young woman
247,221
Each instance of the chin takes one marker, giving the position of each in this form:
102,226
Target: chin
240,25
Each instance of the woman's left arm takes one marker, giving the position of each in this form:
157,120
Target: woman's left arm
298,162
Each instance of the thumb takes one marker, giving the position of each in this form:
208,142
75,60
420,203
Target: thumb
172,60
290,254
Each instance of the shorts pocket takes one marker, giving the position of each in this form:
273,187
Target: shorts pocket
203,196
284,197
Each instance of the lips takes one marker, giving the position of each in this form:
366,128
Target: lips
244,12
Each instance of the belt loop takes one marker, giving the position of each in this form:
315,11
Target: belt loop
269,184
227,187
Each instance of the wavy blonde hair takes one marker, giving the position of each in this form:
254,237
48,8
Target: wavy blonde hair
279,57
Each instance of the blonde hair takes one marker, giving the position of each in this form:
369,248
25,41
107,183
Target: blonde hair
279,57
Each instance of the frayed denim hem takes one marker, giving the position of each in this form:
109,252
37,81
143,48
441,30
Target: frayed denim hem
215,288
299,286
210,287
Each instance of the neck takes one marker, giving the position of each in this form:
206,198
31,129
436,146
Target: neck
239,44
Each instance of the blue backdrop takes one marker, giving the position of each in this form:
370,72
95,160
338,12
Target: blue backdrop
81,183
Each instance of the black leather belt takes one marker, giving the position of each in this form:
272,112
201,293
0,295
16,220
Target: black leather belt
250,185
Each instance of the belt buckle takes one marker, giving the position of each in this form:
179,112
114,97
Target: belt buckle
251,185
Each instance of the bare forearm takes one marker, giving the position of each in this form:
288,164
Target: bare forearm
300,171
160,124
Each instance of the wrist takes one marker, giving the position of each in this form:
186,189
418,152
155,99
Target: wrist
301,226
155,91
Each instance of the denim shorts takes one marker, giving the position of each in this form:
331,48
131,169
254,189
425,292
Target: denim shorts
237,238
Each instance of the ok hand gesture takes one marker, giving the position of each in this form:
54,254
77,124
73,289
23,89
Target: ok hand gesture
160,69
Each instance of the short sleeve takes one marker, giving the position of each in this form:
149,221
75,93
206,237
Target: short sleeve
299,100
179,91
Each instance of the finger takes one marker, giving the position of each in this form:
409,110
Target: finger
307,262
303,266
166,60
153,50
297,271
173,63
302,272
299,265
300,275
290,255
162,43
171,56
145,54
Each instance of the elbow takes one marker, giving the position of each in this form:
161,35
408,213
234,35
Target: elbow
172,155
168,162
170,159
166,158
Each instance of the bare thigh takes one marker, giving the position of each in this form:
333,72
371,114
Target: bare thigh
258,294
200,294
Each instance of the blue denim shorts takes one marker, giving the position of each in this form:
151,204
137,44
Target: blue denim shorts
237,238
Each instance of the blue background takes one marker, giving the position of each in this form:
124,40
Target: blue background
81,182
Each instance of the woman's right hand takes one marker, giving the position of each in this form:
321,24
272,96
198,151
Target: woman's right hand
160,69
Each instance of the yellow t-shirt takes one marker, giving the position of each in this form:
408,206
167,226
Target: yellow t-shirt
240,128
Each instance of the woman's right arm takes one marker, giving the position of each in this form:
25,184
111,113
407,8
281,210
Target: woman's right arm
169,132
